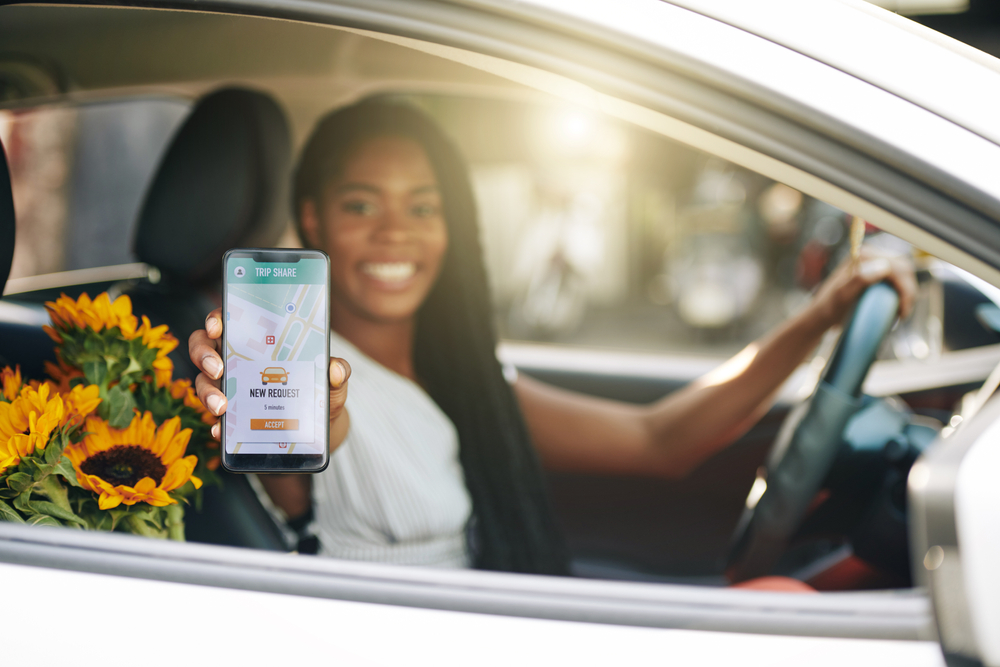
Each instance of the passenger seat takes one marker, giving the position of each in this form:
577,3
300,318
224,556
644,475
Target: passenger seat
222,183
22,343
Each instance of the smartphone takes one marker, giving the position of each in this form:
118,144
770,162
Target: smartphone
276,352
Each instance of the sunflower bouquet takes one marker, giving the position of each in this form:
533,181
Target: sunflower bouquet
110,441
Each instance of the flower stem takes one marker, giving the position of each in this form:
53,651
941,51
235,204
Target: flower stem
175,522
137,526
56,492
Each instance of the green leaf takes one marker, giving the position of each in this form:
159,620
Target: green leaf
19,481
95,370
23,504
133,366
8,514
37,467
102,521
153,515
91,344
64,468
43,520
7,494
121,406
116,516
45,507
53,452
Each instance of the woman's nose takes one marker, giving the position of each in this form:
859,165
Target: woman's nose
394,224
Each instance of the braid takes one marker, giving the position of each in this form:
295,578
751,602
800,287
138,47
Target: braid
455,348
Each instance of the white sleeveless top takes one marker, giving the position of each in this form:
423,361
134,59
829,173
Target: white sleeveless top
394,491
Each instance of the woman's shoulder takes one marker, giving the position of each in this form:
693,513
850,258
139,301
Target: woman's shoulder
376,390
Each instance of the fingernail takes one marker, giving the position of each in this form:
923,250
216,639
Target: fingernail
216,430
340,373
211,325
873,268
215,404
213,366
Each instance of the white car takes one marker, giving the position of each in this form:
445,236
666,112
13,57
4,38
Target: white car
842,103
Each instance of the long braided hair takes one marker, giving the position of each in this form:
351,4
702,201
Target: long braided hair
513,527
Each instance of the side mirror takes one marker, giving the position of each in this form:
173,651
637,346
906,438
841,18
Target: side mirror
954,497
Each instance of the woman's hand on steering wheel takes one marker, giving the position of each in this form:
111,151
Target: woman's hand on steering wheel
808,443
841,290
204,346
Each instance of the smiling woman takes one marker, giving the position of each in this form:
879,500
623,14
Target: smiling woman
388,197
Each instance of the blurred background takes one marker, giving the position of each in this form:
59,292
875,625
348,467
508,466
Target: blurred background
596,234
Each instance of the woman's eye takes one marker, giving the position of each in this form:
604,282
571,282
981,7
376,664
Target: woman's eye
358,207
425,210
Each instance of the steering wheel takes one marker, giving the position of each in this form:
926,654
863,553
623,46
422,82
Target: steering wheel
808,441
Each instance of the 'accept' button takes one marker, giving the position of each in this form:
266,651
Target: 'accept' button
274,424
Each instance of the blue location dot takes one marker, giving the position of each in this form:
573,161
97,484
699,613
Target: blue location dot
289,307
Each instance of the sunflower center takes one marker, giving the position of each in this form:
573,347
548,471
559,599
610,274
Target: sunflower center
125,465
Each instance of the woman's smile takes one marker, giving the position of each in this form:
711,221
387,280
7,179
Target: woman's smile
395,275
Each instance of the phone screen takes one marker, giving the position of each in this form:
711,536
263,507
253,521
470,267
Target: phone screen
276,350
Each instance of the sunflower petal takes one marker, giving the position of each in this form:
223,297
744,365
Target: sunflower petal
109,501
159,498
178,473
145,485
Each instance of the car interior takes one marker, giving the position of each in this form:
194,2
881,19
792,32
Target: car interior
250,94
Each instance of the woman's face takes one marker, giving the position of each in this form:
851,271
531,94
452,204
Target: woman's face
380,221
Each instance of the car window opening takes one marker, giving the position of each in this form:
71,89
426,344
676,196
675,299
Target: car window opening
639,261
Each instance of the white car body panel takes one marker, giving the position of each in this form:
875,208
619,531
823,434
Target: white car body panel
851,36
204,625
977,503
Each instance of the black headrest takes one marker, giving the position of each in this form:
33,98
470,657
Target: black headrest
221,183
7,221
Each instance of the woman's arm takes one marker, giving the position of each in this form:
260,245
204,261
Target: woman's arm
675,435
289,492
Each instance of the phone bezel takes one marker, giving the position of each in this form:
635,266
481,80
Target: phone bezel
275,463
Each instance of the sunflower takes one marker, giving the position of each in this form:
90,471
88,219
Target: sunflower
62,372
140,463
97,314
11,382
164,343
27,422
80,401
182,389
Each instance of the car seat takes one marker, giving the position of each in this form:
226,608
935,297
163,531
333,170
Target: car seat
7,220
222,183
21,343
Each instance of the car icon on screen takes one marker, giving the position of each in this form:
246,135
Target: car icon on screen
273,375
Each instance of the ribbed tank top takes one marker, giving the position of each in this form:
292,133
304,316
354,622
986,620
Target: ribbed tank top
394,491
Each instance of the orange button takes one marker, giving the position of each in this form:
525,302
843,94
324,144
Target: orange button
274,424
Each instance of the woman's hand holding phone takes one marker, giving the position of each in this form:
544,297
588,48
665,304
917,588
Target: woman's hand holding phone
204,348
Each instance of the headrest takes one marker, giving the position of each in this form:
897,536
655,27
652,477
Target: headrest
221,184
6,221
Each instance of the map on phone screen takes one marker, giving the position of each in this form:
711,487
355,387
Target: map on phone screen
276,358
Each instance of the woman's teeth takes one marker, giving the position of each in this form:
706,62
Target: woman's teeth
390,272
